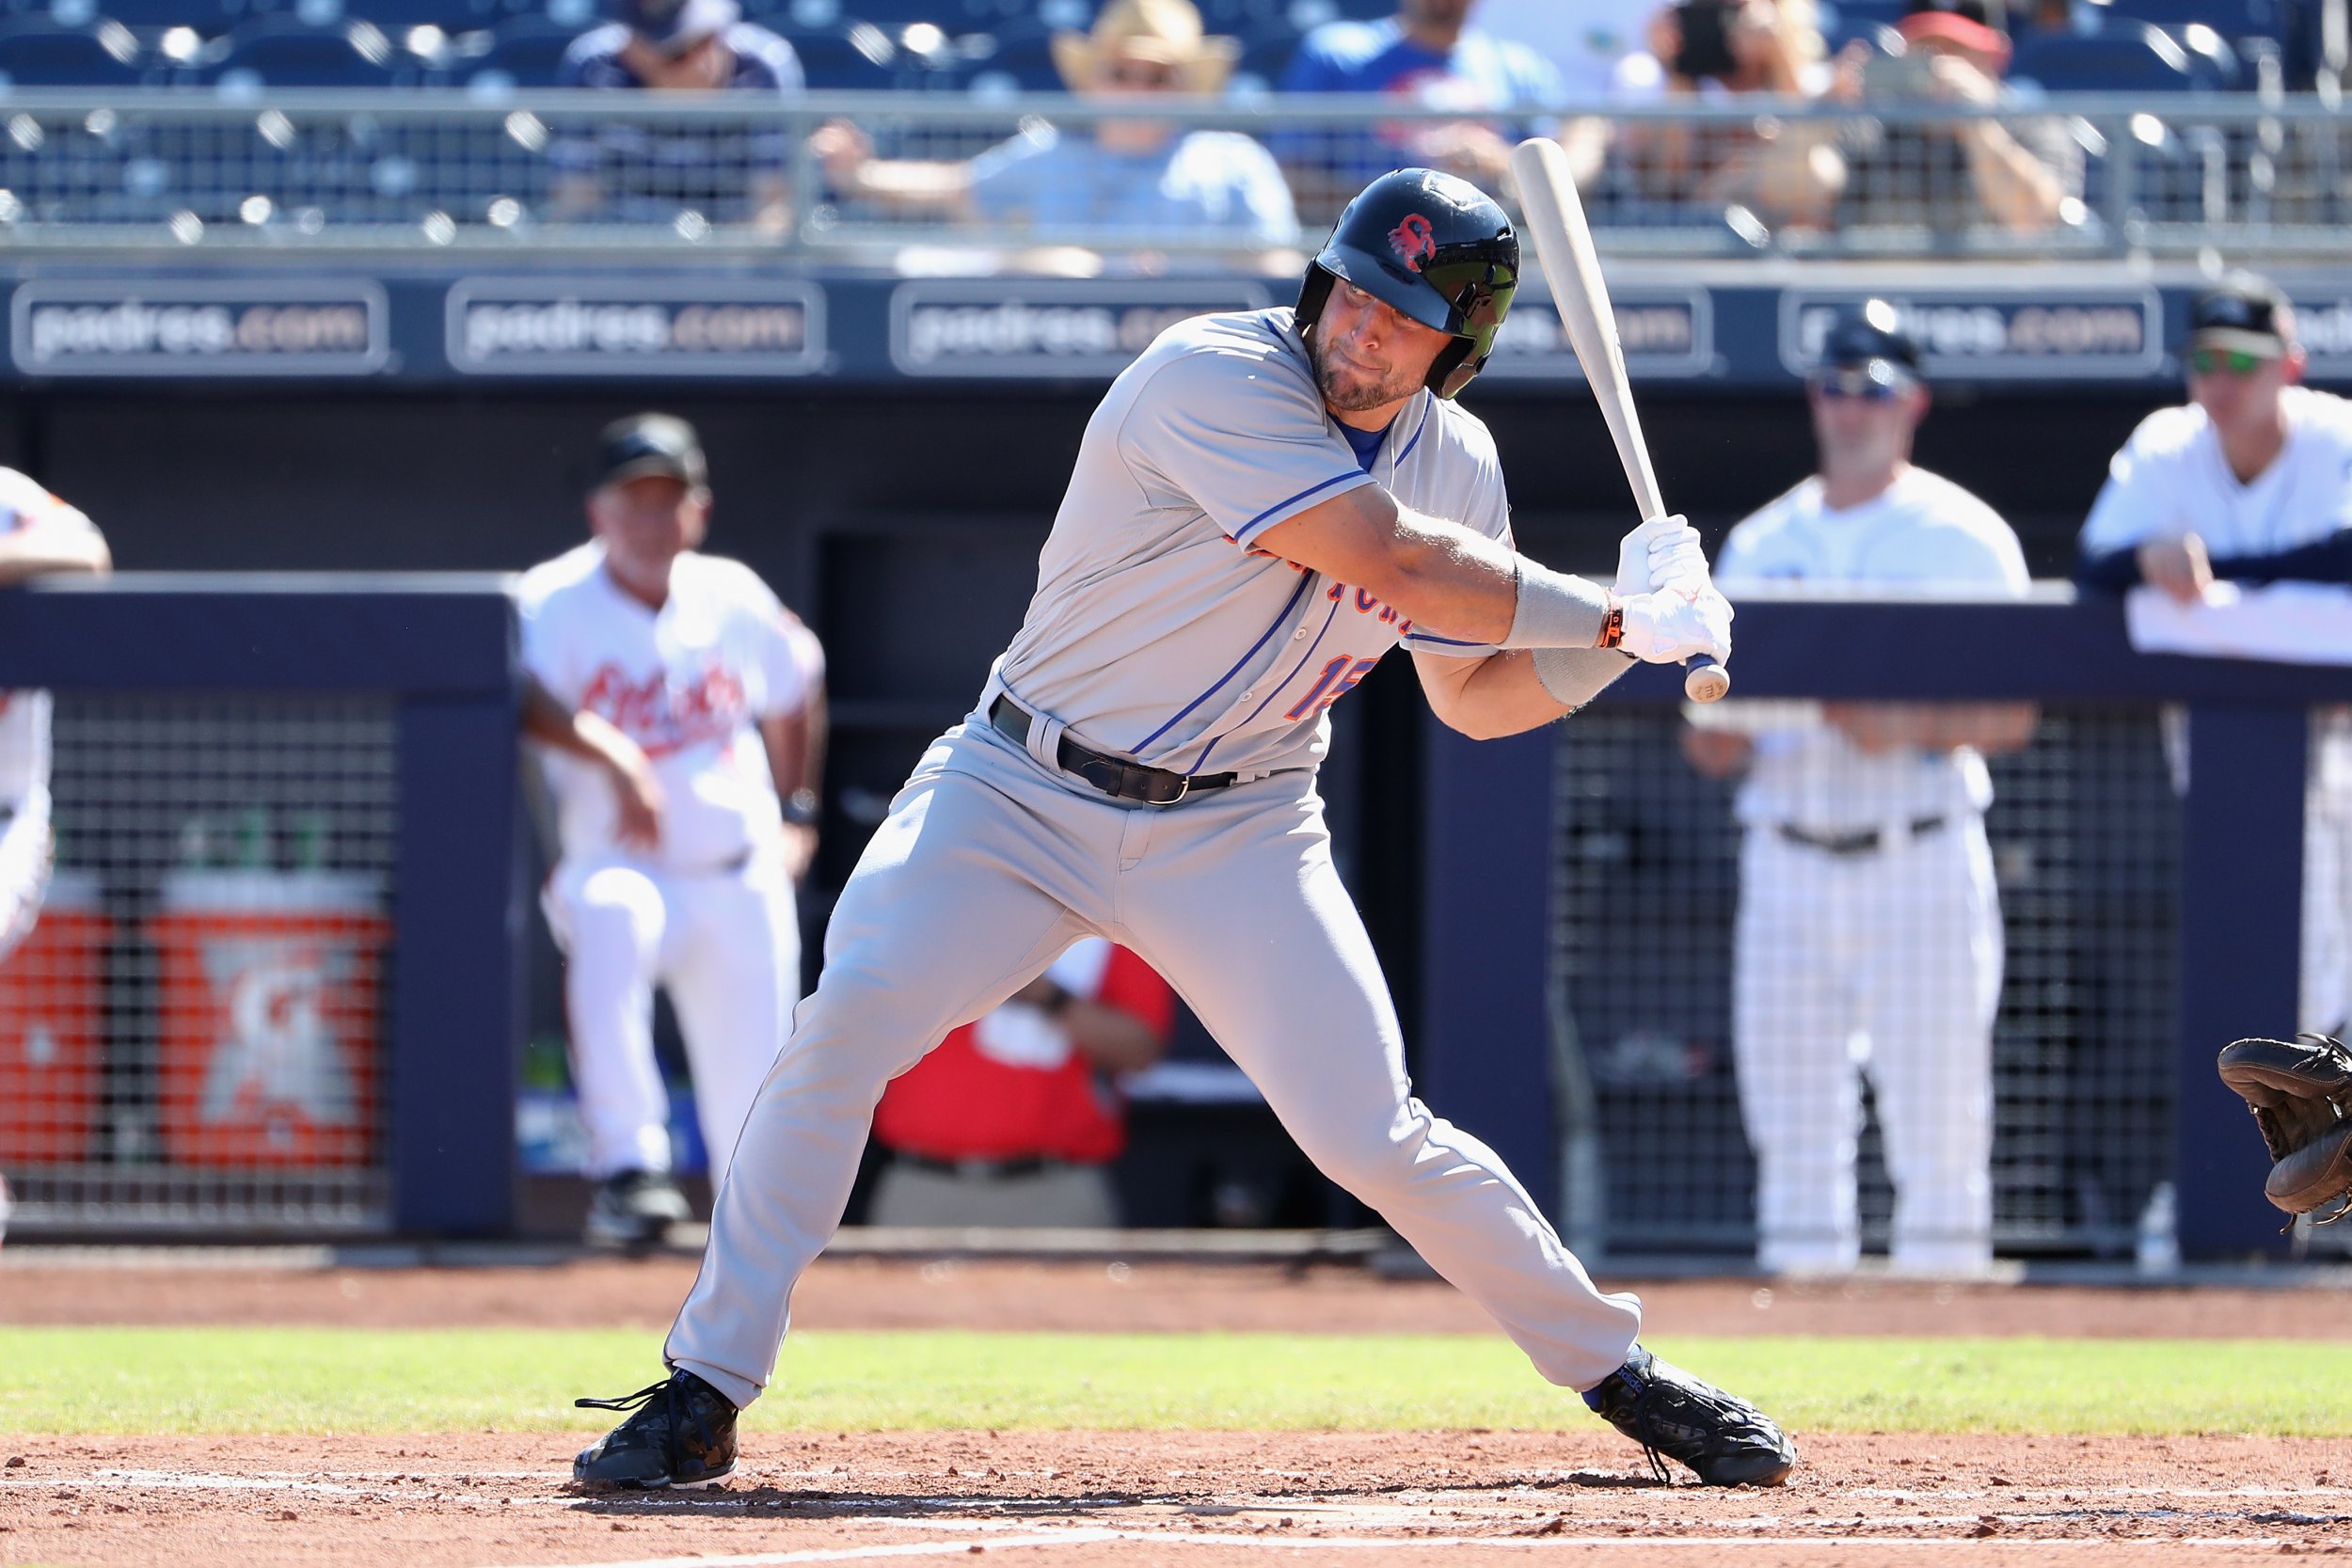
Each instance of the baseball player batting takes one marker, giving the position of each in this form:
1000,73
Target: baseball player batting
1263,504
675,696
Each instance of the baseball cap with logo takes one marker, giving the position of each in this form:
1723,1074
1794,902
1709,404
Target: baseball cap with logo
2244,313
674,26
1869,338
651,444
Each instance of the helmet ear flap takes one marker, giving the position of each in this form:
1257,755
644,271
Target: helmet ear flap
1314,292
1453,369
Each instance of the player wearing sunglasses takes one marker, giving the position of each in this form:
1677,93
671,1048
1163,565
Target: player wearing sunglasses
1866,899
2248,483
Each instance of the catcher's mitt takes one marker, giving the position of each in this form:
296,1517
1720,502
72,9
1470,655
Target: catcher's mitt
2300,1092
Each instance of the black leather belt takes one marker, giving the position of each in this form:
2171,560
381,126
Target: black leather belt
982,1170
1866,842
1129,781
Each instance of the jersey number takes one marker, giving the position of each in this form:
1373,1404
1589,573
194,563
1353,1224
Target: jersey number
1338,680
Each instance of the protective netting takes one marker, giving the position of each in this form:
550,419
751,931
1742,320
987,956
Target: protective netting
1849,947
192,1037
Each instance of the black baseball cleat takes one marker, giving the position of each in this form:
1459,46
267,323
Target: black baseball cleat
1727,1441
635,1208
680,1432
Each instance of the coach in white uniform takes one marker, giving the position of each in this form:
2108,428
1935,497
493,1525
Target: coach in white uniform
1869,930
40,536
675,696
2249,482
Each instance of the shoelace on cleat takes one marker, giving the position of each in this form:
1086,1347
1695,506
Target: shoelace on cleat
633,1401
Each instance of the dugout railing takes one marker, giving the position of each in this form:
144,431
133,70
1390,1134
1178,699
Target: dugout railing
1580,900
276,990
254,172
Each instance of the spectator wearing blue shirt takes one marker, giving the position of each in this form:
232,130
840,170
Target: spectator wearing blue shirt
1137,181
631,172
1428,55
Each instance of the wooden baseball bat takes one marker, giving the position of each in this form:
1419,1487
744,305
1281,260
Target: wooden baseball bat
1564,244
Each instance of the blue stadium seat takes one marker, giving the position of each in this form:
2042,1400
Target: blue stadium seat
1845,16
289,55
44,54
525,54
2232,19
2121,56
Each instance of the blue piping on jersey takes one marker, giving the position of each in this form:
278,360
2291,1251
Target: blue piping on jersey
1241,535
1417,435
1305,581
1278,686
1433,637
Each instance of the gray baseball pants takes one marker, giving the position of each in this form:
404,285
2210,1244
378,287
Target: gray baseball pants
991,862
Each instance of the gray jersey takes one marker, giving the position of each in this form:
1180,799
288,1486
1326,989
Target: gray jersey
1159,631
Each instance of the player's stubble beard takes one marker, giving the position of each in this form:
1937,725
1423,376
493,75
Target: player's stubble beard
1346,391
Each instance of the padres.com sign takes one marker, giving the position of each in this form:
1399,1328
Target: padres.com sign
138,327
624,326
1996,334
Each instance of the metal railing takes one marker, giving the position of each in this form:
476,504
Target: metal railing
427,170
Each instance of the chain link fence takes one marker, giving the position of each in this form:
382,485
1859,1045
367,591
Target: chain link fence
193,1037
962,182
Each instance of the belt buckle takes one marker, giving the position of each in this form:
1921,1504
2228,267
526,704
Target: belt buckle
1140,784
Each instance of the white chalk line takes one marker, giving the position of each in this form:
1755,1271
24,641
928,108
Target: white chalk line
830,1482
1389,1544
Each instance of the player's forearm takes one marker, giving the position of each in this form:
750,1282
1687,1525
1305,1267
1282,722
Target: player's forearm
2021,192
1508,693
577,731
1113,1040
36,554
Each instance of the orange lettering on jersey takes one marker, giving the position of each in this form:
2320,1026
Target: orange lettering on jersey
663,717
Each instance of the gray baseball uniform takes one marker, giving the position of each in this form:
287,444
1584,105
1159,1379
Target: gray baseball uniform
1158,632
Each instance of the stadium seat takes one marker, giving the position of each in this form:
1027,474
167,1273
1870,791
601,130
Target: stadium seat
2121,56
524,54
289,55
2232,19
43,55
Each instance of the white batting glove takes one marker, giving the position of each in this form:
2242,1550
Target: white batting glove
1672,624
1662,550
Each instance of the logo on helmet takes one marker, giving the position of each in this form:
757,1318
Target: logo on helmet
1415,241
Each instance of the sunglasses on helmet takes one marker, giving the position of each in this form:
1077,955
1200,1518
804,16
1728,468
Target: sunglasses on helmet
1858,381
2212,361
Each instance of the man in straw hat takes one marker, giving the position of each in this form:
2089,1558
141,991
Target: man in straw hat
1133,180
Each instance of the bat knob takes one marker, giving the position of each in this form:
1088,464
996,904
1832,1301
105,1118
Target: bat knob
1705,681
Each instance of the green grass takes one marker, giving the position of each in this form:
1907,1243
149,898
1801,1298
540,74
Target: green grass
235,1380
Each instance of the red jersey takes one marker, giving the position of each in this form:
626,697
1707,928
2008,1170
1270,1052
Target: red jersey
1012,1085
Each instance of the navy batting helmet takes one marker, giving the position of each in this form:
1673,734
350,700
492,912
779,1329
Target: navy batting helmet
1433,248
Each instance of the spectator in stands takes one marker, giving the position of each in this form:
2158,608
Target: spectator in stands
2022,174
1588,43
636,173
1869,928
1429,54
1137,178
2250,483
1787,174
1014,1119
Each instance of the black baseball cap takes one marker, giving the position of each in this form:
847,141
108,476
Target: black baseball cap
1869,339
2245,312
674,25
651,444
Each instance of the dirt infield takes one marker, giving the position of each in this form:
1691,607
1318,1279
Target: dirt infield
1143,1297
1187,1499
1192,1500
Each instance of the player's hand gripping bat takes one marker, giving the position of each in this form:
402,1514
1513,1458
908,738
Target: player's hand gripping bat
1564,244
